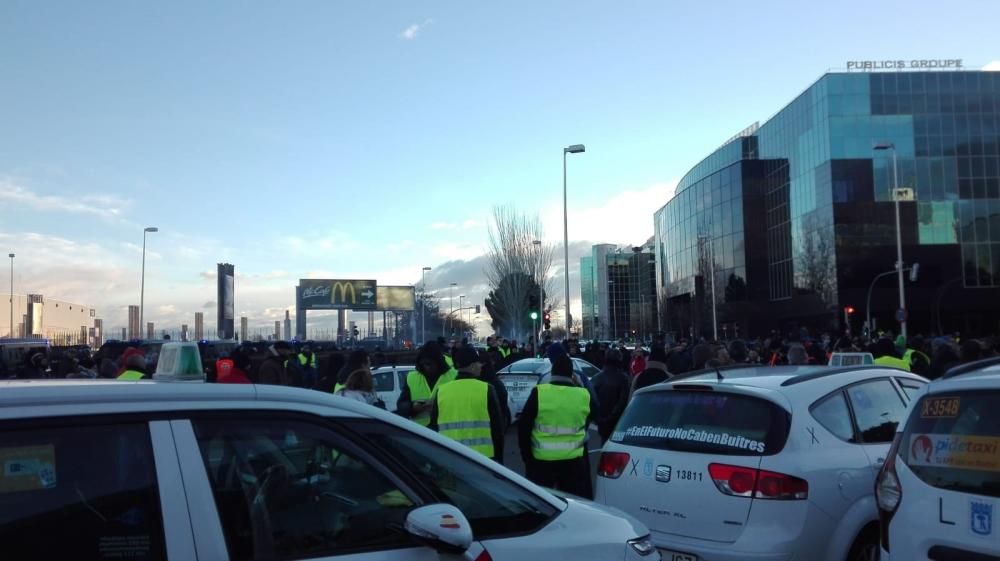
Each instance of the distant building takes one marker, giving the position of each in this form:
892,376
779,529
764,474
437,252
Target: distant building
618,295
288,326
244,329
134,332
35,315
277,329
199,326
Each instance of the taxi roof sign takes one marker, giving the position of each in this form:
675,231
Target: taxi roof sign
179,362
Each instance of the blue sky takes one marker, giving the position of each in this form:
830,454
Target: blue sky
369,139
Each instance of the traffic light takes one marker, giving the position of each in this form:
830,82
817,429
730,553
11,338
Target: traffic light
477,308
547,321
848,310
533,316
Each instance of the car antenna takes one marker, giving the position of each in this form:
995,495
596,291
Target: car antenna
718,374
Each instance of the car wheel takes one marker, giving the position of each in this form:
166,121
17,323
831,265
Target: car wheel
866,546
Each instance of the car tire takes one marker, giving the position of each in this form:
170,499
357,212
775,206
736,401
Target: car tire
866,545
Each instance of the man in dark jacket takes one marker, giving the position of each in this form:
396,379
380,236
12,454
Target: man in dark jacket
655,372
612,386
272,370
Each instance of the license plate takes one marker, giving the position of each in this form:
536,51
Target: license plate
669,555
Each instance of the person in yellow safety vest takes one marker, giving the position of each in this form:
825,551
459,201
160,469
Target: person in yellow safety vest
135,368
505,349
357,360
913,354
467,409
422,384
885,355
553,431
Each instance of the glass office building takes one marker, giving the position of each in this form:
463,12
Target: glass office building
618,293
794,220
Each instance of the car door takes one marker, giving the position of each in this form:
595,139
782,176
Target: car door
877,408
508,520
105,488
281,485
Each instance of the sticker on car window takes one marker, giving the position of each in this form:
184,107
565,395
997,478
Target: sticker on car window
692,435
940,408
27,468
960,452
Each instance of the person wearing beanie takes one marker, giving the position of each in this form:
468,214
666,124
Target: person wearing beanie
612,386
552,431
885,355
467,409
236,373
655,372
422,384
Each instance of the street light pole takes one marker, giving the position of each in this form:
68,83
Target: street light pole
574,149
541,304
423,305
451,309
11,255
142,281
899,238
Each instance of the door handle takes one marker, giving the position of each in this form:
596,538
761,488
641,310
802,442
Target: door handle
880,462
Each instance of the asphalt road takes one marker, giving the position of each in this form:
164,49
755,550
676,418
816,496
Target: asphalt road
512,454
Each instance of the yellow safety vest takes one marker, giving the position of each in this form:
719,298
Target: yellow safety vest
464,416
504,352
560,430
421,391
450,361
131,375
908,356
893,362
311,361
337,387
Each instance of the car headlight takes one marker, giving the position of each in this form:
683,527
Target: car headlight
643,546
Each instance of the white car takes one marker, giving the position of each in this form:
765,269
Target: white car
389,383
520,377
759,463
211,472
939,490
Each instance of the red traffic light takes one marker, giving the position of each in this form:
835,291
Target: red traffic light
848,309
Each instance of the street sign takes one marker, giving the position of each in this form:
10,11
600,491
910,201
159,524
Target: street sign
900,315
338,294
903,194
395,298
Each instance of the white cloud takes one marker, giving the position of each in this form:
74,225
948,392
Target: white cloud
328,242
411,32
98,205
167,309
442,226
464,251
623,218
471,224
993,66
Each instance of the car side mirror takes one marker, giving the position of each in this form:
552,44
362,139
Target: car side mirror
441,527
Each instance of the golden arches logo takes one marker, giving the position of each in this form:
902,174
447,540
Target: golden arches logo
343,288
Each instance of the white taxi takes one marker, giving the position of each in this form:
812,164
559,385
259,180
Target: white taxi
158,470
939,490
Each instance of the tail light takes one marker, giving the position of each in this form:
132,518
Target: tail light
484,556
612,464
739,481
888,491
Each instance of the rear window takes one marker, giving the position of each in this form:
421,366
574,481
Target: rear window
705,422
952,442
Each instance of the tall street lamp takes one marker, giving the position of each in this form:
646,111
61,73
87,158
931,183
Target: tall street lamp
574,149
451,309
423,305
901,314
537,244
11,334
142,281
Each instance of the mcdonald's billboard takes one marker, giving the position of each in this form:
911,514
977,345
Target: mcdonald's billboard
338,294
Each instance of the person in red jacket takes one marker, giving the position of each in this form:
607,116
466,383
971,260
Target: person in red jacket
638,363
235,372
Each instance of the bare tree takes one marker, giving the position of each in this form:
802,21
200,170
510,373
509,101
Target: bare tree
517,265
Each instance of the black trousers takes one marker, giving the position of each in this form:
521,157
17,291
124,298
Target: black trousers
568,476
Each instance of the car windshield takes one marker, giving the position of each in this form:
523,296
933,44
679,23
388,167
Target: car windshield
952,441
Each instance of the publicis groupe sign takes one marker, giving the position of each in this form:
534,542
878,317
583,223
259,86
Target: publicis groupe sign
916,64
